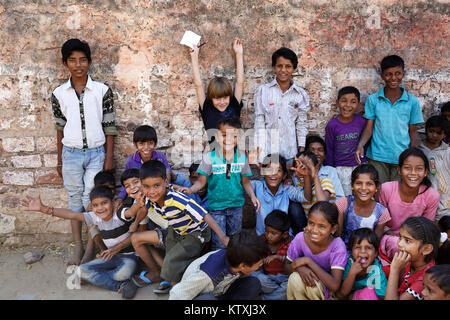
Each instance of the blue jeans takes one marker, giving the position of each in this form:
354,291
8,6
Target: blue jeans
229,220
112,273
273,286
79,167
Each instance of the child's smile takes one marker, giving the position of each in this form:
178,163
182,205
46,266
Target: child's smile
413,171
364,253
103,208
364,187
145,149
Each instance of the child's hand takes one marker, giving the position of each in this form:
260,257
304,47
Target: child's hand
32,204
300,262
269,259
400,261
256,204
253,155
140,200
185,190
108,254
195,51
117,203
238,47
133,227
355,267
308,276
359,154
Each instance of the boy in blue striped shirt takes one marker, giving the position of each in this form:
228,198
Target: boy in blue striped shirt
188,223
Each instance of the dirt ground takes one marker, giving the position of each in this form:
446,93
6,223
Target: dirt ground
51,278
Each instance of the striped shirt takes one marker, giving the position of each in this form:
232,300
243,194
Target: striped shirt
86,118
284,112
181,212
112,231
326,185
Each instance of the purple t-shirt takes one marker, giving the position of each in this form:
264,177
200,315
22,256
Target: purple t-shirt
135,161
341,140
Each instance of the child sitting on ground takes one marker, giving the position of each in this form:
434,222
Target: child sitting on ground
438,154
274,276
189,228
436,283
419,245
342,135
317,258
145,140
360,210
115,266
224,274
219,101
363,276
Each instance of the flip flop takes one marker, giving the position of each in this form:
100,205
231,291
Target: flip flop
143,278
165,290
128,290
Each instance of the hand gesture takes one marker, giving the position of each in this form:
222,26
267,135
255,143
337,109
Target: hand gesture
32,204
400,261
355,267
359,154
256,204
140,200
253,156
238,47
195,51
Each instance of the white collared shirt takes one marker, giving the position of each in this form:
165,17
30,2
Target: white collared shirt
285,112
85,119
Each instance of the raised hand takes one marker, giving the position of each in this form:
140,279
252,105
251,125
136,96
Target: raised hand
32,204
238,47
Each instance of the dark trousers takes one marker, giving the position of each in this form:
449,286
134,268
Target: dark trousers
297,217
247,288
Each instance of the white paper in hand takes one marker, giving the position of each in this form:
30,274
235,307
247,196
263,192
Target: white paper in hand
190,39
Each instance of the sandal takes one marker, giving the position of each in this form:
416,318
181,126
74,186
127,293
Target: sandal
143,278
128,290
165,289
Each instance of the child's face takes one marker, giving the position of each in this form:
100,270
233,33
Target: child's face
412,171
283,69
414,247
431,290
364,253
155,188
435,135
348,104
221,103
103,208
193,177
446,114
364,187
318,150
273,174
78,64
247,270
227,137
393,77
145,149
318,229
133,187
273,235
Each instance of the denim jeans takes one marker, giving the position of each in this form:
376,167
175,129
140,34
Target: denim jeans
229,220
273,286
112,273
79,167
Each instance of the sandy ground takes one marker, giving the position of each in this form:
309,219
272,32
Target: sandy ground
47,279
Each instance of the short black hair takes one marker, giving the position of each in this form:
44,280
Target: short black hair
445,107
329,210
437,122
310,155
193,168
366,168
348,90
361,234
426,231
287,54
75,45
391,62
101,192
231,121
416,152
153,169
129,173
245,247
104,177
444,223
441,275
315,138
145,133
278,220
281,160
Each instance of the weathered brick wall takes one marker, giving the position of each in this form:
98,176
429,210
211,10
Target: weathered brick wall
135,47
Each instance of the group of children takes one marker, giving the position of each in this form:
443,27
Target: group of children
361,214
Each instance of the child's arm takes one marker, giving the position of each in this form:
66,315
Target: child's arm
248,188
198,185
109,253
331,281
414,139
349,280
365,136
239,51
217,229
59,146
109,154
197,78
35,204
399,262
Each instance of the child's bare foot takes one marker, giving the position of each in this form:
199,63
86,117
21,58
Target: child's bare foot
77,255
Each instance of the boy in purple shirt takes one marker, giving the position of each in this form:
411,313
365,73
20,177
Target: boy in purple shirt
145,139
342,135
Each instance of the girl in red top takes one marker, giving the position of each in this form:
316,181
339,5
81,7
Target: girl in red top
419,245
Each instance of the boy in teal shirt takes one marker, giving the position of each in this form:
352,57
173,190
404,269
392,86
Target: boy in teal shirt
392,115
227,172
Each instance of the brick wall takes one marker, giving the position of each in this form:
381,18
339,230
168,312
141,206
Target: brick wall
135,48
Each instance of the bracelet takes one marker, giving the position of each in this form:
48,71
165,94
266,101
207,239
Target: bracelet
49,211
